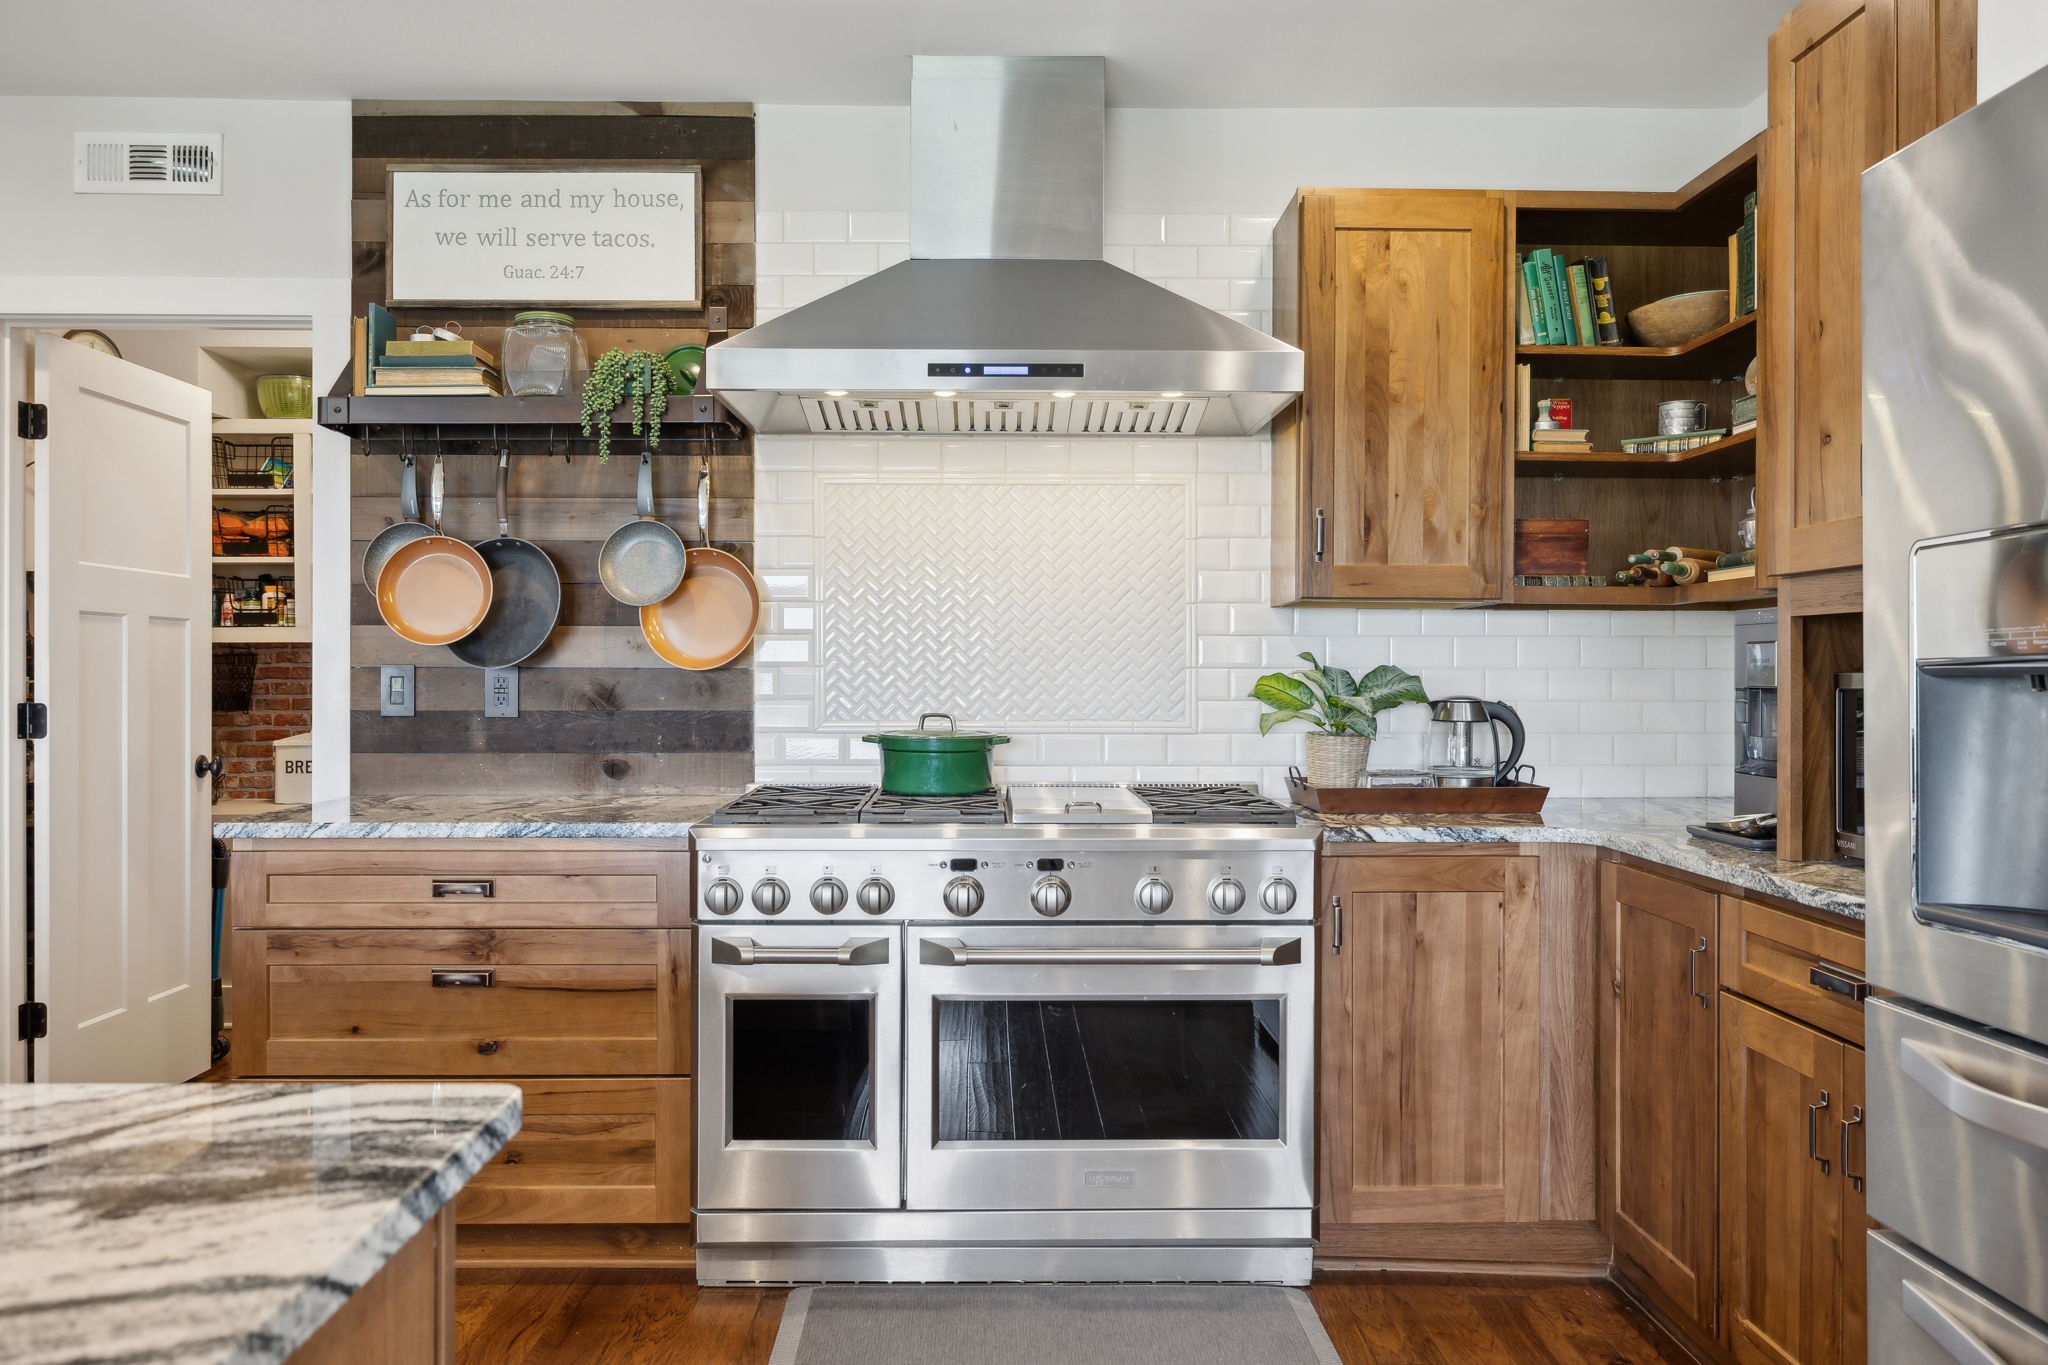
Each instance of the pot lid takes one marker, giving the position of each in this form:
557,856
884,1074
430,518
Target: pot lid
932,737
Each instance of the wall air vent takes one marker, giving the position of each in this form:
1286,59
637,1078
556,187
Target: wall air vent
145,163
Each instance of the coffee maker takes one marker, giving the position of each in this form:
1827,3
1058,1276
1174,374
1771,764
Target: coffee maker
1756,712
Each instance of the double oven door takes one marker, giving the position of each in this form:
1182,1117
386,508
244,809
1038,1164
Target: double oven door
965,1067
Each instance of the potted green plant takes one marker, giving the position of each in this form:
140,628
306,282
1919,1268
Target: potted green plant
637,378
1343,709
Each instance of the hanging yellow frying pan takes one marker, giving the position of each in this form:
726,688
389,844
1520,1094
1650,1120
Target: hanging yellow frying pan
437,589
709,621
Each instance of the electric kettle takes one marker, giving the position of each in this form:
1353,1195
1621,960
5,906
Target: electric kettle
1464,748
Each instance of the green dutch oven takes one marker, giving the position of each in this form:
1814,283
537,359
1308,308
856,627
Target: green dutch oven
930,761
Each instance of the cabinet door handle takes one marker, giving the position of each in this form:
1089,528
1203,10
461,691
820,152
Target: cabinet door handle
484,976
1336,925
1855,1120
1319,535
485,889
487,1047
1692,974
1813,1113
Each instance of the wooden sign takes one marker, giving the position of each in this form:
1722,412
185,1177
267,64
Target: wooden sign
595,237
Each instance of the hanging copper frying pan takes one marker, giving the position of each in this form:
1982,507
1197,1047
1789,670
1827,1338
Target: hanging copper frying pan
709,621
437,589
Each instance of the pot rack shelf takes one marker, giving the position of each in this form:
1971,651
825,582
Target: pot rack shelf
487,424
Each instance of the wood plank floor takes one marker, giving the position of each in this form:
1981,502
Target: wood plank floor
542,1317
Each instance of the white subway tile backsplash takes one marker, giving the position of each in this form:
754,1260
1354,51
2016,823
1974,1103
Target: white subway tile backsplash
1244,262
1611,651
1134,229
1164,262
824,225
878,227
767,228
1253,229
844,258
784,258
1209,293
891,253
1195,229
1122,256
798,290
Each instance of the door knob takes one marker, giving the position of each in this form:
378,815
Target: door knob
206,767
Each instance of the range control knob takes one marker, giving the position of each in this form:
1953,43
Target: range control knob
828,895
1051,896
1226,895
963,896
1277,896
771,896
1154,896
876,896
722,897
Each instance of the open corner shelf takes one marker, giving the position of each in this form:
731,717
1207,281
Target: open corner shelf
517,422
1729,592
1727,457
1723,352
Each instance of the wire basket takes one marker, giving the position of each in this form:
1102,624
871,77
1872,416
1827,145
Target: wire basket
253,533
267,465
265,600
234,678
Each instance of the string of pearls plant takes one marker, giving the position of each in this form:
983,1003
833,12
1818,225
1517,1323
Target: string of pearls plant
637,378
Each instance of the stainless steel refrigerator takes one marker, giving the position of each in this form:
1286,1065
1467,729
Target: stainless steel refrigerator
1955,476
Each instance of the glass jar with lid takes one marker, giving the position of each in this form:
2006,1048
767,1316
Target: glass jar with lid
543,354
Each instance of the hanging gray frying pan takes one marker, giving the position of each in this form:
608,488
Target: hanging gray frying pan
644,560
526,594
405,530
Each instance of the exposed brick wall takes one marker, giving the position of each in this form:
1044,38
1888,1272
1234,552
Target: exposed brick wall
281,705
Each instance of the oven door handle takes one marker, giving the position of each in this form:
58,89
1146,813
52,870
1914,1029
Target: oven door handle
855,952
951,952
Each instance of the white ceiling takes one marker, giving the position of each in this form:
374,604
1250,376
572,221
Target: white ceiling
1162,53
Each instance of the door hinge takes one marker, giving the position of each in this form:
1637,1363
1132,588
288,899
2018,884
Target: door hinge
32,1021
32,421
31,720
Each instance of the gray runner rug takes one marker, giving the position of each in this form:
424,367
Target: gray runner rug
1051,1324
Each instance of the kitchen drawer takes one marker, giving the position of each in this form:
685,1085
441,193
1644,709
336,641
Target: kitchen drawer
590,1151
1805,968
1921,1313
458,886
468,1003
1958,1154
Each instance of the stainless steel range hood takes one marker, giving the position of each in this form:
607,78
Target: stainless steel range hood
1005,321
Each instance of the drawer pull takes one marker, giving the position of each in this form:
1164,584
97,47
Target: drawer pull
1855,1120
1813,1113
481,889
484,976
1692,974
487,1047
1839,980
1947,1330
2018,1119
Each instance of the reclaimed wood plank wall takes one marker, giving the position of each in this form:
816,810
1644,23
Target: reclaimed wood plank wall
598,713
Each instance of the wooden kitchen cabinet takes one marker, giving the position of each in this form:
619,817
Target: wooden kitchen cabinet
1456,1057
1389,479
1656,1094
1851,81
1791,1225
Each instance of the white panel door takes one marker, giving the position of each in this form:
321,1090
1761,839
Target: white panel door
123,903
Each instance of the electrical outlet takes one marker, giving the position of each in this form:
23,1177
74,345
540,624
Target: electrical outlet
501,691
394,690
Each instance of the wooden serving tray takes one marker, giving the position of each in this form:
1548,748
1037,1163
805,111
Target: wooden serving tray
1518,798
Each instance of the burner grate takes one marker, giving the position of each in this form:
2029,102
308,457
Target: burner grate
975,808
793,804
1210,803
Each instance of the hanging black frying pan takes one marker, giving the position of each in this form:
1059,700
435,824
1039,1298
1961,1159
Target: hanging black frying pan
526,594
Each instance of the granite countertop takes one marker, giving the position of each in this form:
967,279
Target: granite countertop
479,817
199,1223
1651,830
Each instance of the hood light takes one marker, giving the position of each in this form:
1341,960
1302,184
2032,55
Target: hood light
835,393
944,393
1063,393
1173,393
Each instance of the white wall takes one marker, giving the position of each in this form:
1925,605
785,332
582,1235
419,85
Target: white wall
1619,703
2012,41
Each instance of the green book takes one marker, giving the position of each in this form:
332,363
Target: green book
1532,286
1745,258
381,330
432,362
1553,298
1582,303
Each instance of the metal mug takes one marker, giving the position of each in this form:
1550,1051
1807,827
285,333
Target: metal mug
1680,416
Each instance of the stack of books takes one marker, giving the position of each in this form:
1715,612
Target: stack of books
1545,424
385,363
1566,303
1742,262
1743,417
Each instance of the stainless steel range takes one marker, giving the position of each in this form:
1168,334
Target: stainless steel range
1053,1033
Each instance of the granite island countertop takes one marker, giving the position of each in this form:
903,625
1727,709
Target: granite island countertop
201,1223
480,817
1651,830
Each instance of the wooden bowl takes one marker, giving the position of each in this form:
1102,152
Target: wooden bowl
1680,318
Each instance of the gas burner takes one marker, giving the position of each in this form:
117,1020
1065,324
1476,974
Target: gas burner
1201,803
975,808
793,804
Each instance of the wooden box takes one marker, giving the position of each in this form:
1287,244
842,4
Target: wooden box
1552,545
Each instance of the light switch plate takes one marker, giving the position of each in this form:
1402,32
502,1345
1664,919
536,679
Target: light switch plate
394,690
501,691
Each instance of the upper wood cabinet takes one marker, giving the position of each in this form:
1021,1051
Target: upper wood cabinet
1656,1088
1388,474
1851,81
